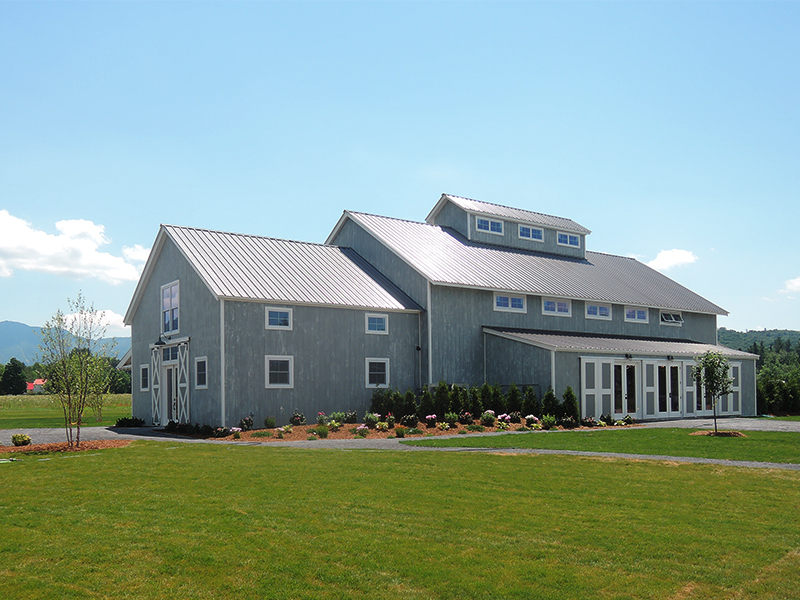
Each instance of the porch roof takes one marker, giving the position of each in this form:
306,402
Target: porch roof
583,342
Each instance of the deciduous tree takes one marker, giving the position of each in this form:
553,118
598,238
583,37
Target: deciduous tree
712,371
12,381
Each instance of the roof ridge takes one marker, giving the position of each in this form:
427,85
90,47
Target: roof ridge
356,212
535,212
252,235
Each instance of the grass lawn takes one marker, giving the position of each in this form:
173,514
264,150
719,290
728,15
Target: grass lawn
26,412
789,418
175,520
769,446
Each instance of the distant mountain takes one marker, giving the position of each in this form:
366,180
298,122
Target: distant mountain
744,340
21,341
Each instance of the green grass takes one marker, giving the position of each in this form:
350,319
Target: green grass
789,418
27,412
769,446
166,520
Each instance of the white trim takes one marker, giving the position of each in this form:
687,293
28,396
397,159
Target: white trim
674,318
385,318
509,308
198,359
532,228
556,312
636,319
269,385
490,221
569,235
369,385
430,336
553,370
285,309
598,316
222,359
177,282
144,368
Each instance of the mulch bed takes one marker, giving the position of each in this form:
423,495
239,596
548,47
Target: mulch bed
63,447
720,433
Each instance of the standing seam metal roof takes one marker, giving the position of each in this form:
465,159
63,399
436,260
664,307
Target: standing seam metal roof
250,267
446,257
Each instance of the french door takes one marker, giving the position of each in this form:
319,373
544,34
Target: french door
626,390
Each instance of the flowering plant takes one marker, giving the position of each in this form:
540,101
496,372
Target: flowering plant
504,418
382,426
321,418
430,420
488,418
362,430
443,426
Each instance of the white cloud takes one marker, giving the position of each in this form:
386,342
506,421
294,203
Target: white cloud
74,252
667,259
792,285
113,322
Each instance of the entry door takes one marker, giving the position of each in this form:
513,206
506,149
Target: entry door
626,390
668,402
169,385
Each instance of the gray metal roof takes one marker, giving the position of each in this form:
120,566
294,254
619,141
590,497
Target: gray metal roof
444,256
614,345
517,214
250,267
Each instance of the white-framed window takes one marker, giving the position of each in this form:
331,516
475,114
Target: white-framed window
556,307
671,318
489,225
637,314
144,378
279,317
377,324
376,372
170,307
509,303
598,311
169,354
568,239
531,233
279,371
201,373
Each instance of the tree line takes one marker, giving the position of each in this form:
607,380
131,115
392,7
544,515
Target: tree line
15,376
778,375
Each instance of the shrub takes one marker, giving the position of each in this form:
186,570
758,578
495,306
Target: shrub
322,431
334,425
409,407
502,426
338,417
409,420
351,416
400,432
549,422
465,418
515,417
443,426
269,422
237,435
390,420
628,420
321,418
607,419
371,419
206,430
498,399
514,400
531,420
475,403
441,399
129,422
530,403
20,439
246,424
378,402
475,427
568,422
588,422
550,404
570,405
425,405
221,432
361,431
262,434
414,431
488,418
382,426
297,418
451,419
311,438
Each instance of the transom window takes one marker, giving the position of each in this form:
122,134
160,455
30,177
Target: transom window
568,239
377,372
169,354
531,233
280,371
170,296
668,318
636,314
554,306
376,323
490,226
509,303
598,311
279,318
201,373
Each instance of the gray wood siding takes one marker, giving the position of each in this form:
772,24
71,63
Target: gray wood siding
329,346
512,362
454,217
748,396
199,320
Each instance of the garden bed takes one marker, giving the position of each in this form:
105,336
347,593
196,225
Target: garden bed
64,447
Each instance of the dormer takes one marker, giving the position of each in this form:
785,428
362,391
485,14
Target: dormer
512,227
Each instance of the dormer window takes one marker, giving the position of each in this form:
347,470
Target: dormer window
671,318
490,226
568,239
531,233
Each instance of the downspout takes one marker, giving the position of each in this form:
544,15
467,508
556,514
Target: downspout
222,358
418,382
484,357
553,370
430,337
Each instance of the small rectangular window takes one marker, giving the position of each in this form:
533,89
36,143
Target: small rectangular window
170,307
377,323
169,354
531,233
671,318
280,371
556,307
279,318
509,303
377,372
489,226
635,314
201,373
144,378
598,311
568,239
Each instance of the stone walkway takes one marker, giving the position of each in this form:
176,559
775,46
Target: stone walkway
46,436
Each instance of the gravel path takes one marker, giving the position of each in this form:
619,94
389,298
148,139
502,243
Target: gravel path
46,436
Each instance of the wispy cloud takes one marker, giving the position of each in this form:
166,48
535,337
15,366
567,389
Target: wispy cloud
791,286
667,259
73,252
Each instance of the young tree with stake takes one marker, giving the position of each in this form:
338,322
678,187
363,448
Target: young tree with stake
711,371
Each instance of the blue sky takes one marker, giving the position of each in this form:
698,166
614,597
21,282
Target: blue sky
668,129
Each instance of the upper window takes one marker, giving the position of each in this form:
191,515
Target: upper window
598,311
554,306
201,373
377,372
280,371
635,314
377,324
279,318
490,226
170,296
671,318
144,378
568,239
509,303
531,233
